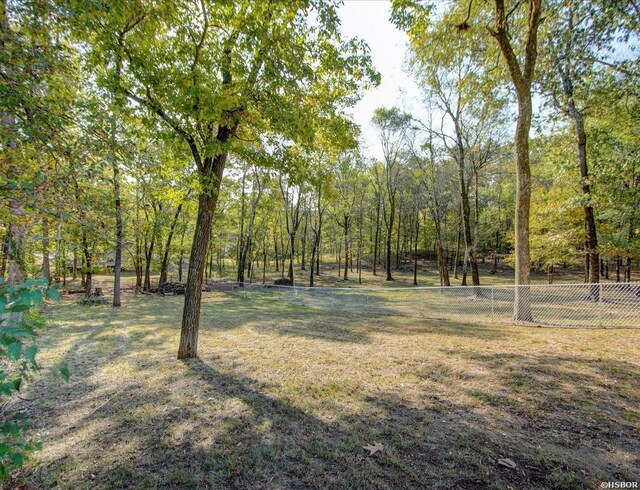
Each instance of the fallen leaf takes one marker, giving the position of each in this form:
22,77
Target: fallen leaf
377,447
507,463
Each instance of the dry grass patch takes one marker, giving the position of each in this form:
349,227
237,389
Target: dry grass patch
285,397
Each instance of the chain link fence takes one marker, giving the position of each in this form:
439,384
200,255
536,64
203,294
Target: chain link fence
559,305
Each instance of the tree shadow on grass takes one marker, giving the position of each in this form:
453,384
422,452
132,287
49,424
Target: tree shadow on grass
207,426
134,417
582,412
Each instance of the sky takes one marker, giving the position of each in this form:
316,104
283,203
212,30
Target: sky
369,20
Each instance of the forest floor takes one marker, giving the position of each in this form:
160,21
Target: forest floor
284,396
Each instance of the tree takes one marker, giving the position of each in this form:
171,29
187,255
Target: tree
250,66
392,125
580,38
522,76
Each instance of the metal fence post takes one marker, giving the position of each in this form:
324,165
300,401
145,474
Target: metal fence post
492,289
600,306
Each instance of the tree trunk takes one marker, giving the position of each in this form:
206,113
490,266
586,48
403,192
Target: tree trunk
314,251
389,238
398,236
5,255
137,260
591,237
184,230
346,248
469,253
148,256
377,238
46,263
292,251
207,201
415,253
264,262
360,245
117,267
319,238
304,243
165,258
456,259
88,274
522,78
17,234
241,254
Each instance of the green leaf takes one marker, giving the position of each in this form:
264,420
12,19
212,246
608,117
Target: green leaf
54,294
36,296
18,459
64,371
13,351
17,308
30,353
18,331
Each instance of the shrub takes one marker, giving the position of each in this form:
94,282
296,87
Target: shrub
19,322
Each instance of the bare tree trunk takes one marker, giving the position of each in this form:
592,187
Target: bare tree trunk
389,238
264,262
304,242
415,253
240,254
88,274
182,233
314,251
319,238
148,255
591,237
465,208
46,263
398,236
138,255
5,255
292,251
17,233
346,247
117,267
377,237
165,258
456,260
275,249
360,245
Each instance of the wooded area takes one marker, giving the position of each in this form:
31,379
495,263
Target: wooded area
188,140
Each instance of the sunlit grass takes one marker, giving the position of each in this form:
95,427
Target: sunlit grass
285,397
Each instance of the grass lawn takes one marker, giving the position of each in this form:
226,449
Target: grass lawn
286,397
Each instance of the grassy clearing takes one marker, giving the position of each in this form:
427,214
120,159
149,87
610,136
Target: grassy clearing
285,397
